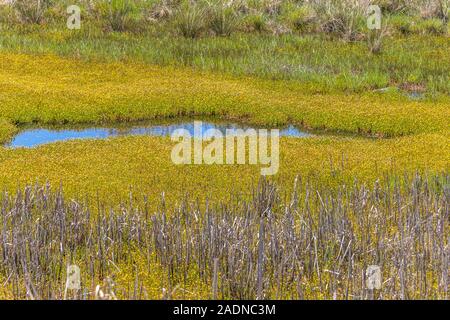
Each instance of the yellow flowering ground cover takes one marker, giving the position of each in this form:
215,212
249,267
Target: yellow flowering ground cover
138,226
47,89
385,134
113,167
409,135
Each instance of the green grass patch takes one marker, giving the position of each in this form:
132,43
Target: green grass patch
6,130
326,63
52,90
114,167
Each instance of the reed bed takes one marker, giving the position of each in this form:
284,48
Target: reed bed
313,244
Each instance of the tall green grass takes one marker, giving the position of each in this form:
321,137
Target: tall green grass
325,63
271,39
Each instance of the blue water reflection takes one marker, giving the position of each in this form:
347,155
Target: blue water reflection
34,137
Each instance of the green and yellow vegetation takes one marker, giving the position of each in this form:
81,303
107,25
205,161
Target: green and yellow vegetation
265,63
314,244
142,165
51,90
317,43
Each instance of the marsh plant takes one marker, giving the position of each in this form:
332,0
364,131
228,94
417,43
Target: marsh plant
119,14
342,17
31,11
193,18
315,244
189,19
223,18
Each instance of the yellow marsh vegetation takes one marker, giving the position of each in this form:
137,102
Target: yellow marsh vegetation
111,167
47,89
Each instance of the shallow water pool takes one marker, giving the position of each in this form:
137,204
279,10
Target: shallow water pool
32,137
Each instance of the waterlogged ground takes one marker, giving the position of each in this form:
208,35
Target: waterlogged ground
50,90
389,132
33,137
44,100
107,196
112,168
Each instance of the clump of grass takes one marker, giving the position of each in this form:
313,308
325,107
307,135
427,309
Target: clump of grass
256,22
402,24
342,17
411,25
314,244
7,15
31,11
223,19
189,20
430,26
120,15
299,18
